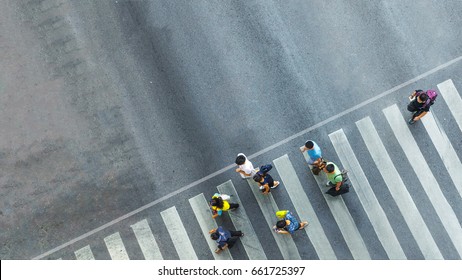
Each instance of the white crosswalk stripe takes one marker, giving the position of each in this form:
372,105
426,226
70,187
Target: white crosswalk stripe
84,253
453,100
303,208
146,240
398,190
445,149
344,221
425,175
366,196
116,247
269,208
203,214
241,222
178,234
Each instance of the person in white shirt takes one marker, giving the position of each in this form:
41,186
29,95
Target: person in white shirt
245,167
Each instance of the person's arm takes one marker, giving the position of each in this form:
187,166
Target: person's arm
267,188
221,248
213,230
337,185
420,116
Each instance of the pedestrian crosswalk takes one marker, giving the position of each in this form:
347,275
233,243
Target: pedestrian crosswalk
375,140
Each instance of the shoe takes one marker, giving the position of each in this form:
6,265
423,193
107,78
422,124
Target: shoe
276,184
411,121
242,234
328,184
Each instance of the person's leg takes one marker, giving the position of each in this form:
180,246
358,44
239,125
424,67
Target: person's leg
236,233
233,206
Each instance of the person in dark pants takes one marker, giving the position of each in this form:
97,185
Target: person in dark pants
419,105
225,238
265,181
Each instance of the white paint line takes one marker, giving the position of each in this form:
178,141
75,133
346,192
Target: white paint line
366,196
84,253
425,175
178,234
280,143
203,215
304,209
398,190
146,240
116,247
445,149
344,220
269,208
450,94
242,222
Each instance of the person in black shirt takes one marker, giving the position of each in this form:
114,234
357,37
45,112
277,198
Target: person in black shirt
419,105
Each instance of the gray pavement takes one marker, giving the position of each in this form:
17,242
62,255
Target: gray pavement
107,106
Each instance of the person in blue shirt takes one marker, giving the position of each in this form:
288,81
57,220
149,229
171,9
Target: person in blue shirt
225,238
314,152
289,224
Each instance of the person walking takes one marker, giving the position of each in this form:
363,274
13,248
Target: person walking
288,223
224,238
245,167
336,180
314,153
334,176
219,204
420,103
264,180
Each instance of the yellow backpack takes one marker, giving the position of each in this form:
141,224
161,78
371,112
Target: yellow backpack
281,214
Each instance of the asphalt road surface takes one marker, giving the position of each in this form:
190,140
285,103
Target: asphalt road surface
110,106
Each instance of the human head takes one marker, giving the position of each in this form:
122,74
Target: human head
257,177
423,97
214,235
309,144
240,159
281,224
217,201
330,167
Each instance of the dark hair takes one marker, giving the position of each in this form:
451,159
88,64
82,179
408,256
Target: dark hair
217,201
257,177
240,159
309,144
281,224
423,97
214,235
330,167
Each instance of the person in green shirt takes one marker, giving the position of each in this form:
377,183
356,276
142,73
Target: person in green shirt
334,175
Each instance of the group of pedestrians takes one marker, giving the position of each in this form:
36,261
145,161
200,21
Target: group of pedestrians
337,179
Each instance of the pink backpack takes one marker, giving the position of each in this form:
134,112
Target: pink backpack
432,95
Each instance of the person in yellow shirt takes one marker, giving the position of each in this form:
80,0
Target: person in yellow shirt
219,204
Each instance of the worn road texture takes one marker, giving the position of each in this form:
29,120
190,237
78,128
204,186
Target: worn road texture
64,146
108,105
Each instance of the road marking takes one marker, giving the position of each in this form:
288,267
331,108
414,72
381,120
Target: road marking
242,222
84,253
116,247
344,220
146,240
303,208
178,234
453,100
398,190
269,208
424,174
225,169
203,215
445,149
366,196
